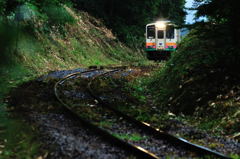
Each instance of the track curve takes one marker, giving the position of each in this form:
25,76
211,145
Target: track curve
136,150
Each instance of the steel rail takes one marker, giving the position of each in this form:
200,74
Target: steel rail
200,150
130,148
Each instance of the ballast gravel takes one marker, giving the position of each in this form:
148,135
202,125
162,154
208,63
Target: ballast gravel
71,140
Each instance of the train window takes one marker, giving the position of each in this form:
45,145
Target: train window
160,34
151,32
170,32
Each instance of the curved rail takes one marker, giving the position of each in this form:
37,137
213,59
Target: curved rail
130,148
201,150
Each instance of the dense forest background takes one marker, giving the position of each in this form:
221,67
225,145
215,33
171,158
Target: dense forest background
128,18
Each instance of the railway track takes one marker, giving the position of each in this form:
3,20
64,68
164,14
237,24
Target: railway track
109,114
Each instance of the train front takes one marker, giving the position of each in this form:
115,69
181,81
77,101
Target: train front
161,38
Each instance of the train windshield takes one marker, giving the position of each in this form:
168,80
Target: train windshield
170,32
160,34
151,32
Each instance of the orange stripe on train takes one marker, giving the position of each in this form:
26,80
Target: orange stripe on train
150,44
171,44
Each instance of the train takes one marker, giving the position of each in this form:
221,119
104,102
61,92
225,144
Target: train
162,38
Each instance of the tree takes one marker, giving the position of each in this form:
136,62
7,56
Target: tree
222,12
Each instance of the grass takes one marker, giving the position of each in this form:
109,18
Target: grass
132,137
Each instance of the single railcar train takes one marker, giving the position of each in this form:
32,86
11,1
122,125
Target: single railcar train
161,39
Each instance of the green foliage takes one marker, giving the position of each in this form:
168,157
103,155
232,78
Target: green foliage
10,5
20,17
235,156
53,11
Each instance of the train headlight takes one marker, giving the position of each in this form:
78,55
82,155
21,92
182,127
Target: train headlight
160,25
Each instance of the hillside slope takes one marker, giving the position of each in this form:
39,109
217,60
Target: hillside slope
66,39
85,42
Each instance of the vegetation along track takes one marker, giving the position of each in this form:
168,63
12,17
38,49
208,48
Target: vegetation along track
126,132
